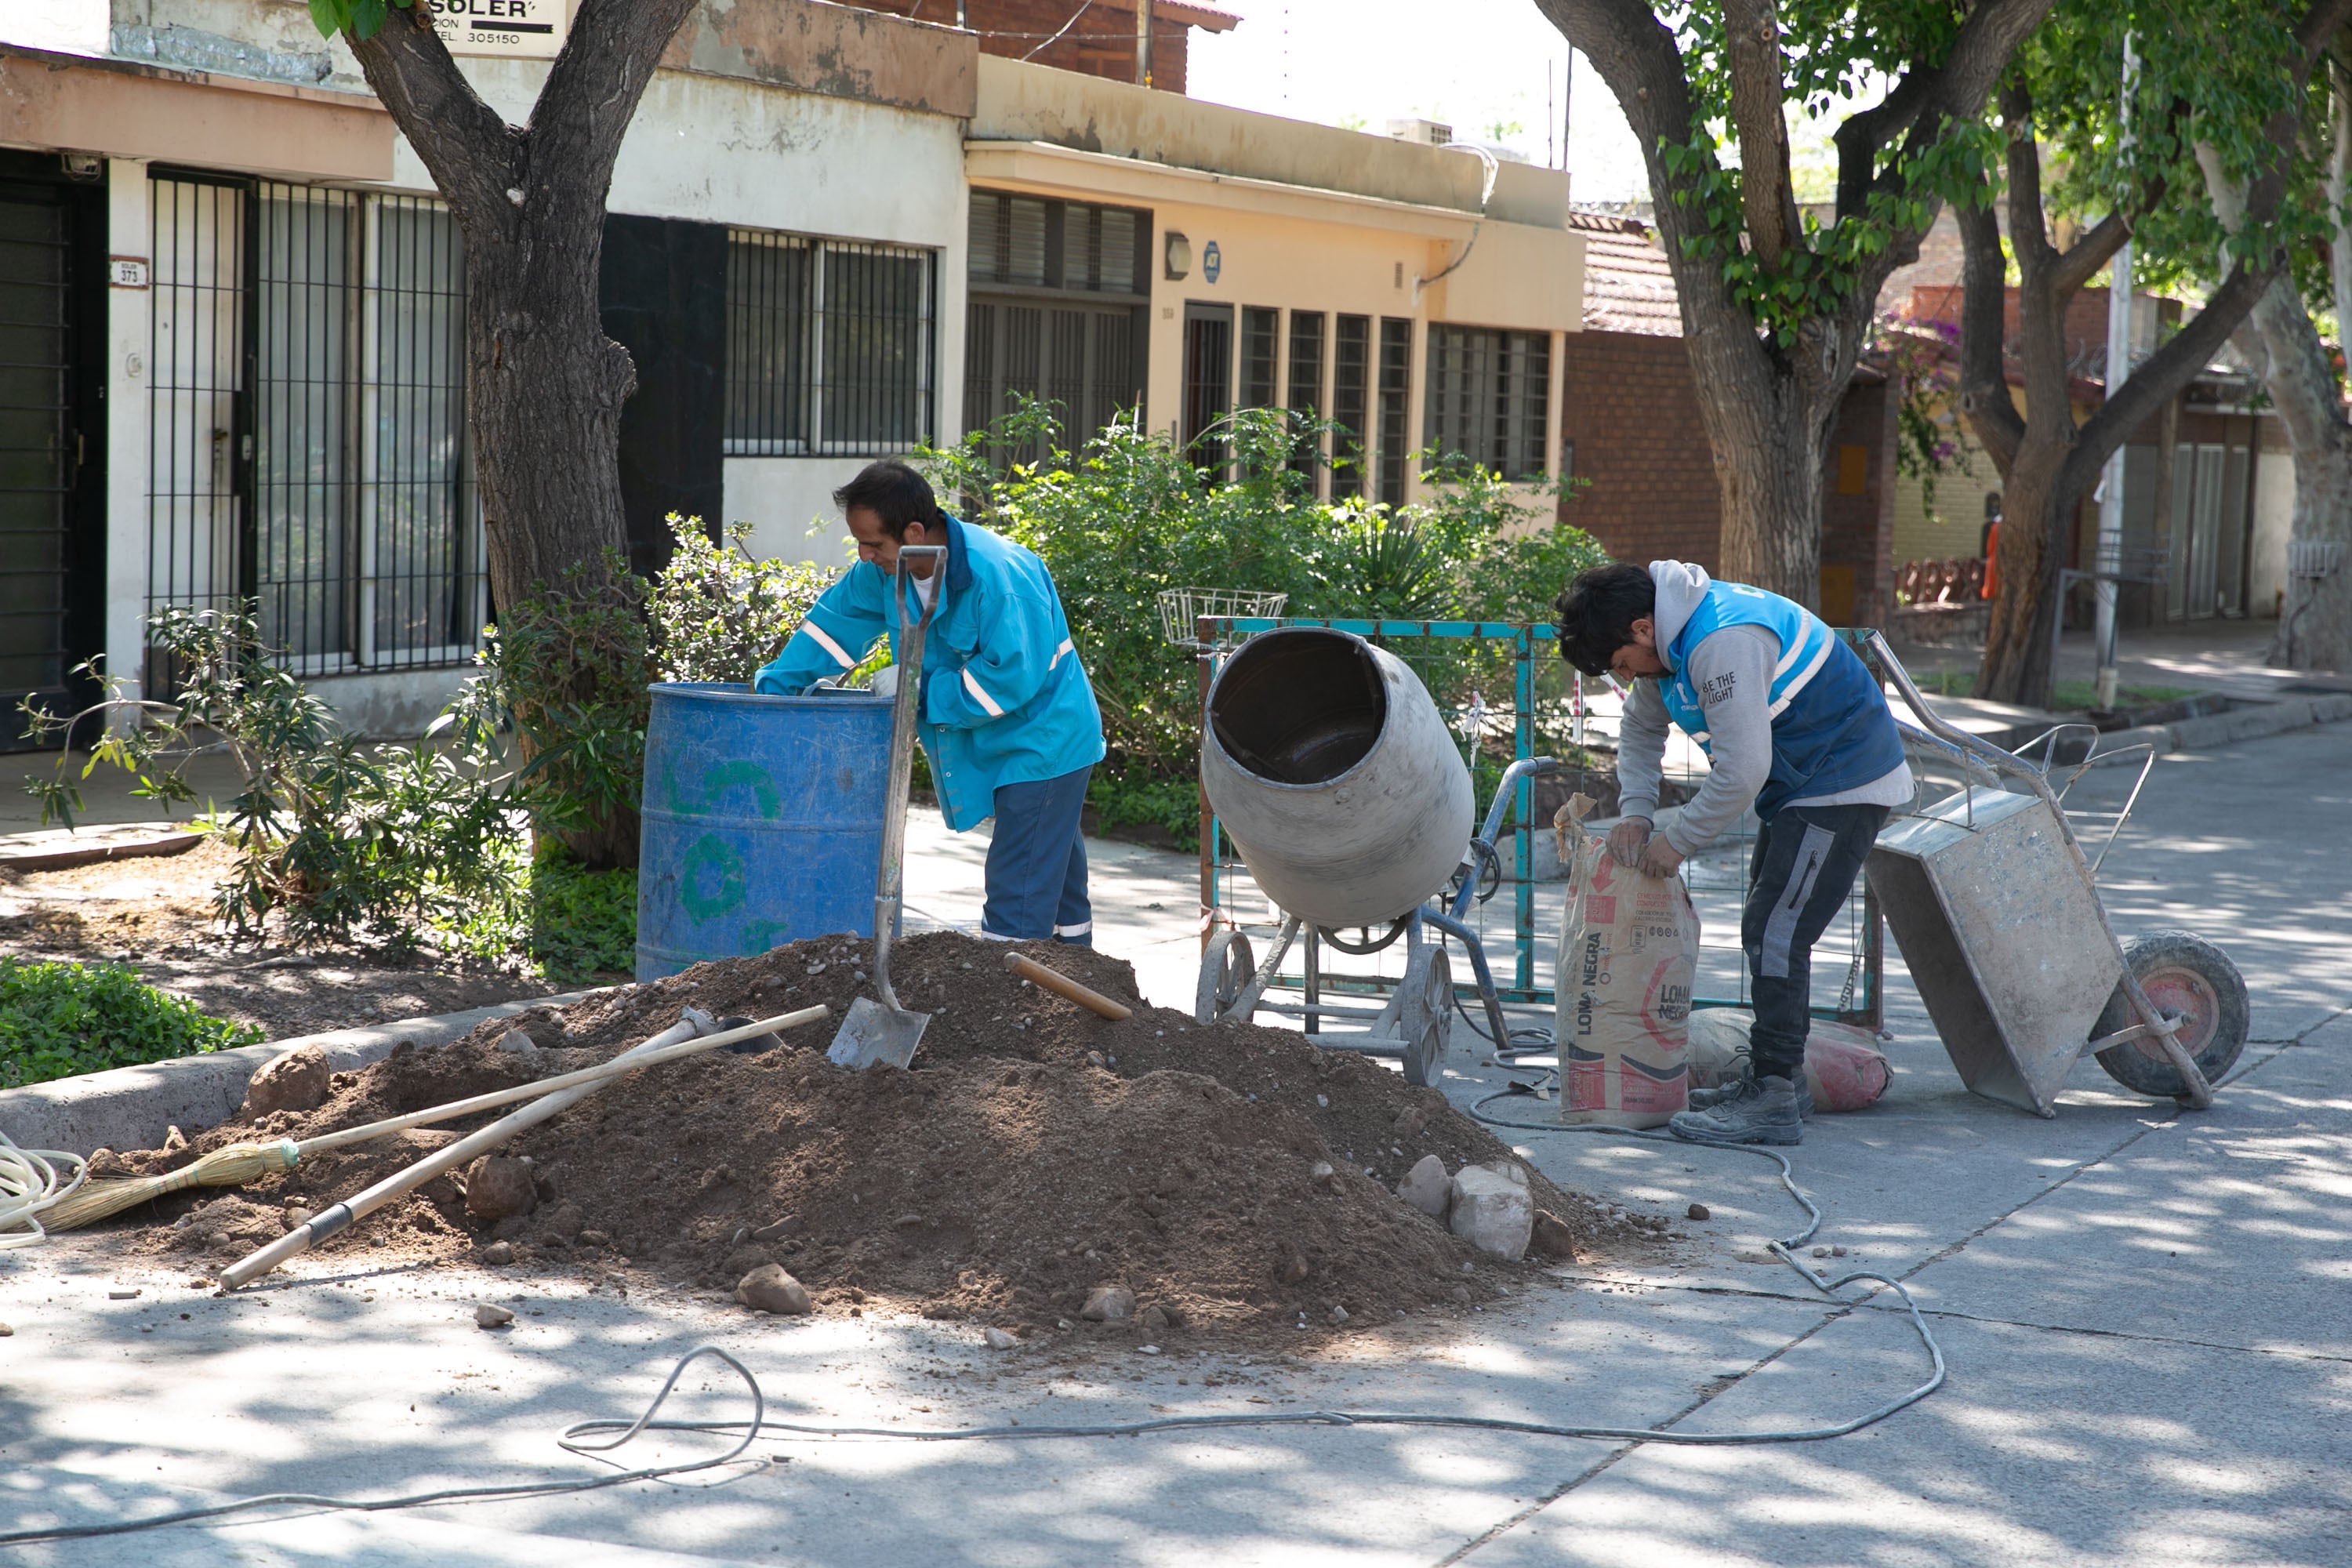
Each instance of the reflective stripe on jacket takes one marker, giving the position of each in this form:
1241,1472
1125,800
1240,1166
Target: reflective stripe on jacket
1004,697
1831,729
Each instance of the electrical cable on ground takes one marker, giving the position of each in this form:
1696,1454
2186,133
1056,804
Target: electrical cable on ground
574,1440
29,1187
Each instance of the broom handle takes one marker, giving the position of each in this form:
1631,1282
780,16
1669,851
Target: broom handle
605,1071
320,1227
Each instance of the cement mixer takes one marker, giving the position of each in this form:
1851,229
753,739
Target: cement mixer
1339,783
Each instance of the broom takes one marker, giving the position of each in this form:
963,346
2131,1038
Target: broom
235,1164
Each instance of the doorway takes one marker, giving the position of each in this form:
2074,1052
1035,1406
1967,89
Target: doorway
52,440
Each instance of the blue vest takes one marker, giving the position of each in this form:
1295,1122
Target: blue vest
1831,730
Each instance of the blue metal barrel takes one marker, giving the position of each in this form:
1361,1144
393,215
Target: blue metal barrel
763,821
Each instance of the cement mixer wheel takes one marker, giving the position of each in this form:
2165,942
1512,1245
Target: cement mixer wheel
1421,1020
1227,969
2184,973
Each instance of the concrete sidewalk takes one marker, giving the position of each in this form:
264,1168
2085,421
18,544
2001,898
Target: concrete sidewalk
2149,1342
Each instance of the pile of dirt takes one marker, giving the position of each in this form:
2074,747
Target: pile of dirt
1236,1179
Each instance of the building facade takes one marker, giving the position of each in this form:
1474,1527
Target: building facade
834,234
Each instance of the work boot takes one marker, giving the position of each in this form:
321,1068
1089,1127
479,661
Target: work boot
1752,1110
1708,1099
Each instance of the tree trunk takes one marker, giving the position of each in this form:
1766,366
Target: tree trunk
2018,665
2314,629
1769,429
544,384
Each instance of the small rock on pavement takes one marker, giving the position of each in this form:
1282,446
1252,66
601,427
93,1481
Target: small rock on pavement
295,1081
498,1252
1493,1210
1155,1323
998,1340
1699,1211
1108,1304
5,1331
497,1186
768,1289
1427,1188
1552,1239
487,1316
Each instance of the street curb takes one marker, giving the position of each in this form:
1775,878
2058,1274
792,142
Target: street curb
2251,722
132,1107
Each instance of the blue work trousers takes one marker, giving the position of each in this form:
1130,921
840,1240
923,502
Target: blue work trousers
1038,863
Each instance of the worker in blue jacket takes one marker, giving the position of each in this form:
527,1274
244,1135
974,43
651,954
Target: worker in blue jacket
1005,715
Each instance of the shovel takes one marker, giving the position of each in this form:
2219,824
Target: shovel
883,1033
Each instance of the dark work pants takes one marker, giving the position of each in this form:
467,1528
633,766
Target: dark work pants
1038,863
1807,857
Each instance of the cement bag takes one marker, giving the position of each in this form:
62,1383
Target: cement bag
1843,1065
1627,952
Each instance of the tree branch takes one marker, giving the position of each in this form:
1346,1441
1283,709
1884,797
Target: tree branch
2160,379
1985,399
2081,261
1980,54
1753,45
473,155
1864,134
592,91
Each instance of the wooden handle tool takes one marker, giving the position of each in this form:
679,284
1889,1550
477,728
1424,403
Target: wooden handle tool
1061,984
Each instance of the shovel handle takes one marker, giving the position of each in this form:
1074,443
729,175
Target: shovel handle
1061,984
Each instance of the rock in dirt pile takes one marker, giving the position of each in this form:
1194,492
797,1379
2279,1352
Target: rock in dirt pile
1038,1160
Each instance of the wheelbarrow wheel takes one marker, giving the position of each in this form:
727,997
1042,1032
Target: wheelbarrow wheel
2184,973
1225,970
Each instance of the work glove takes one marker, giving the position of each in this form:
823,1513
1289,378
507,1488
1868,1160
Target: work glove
885,682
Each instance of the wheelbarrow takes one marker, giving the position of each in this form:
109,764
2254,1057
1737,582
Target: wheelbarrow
1995,907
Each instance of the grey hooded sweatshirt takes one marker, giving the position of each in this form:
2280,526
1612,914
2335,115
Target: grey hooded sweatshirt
1732,672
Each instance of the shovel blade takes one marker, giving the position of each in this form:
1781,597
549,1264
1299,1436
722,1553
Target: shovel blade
875,1035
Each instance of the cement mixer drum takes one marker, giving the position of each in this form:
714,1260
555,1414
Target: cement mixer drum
1335,776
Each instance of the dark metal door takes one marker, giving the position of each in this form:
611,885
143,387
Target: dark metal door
48,466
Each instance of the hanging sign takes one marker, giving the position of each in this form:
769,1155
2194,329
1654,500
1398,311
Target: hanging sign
1212,262
519,29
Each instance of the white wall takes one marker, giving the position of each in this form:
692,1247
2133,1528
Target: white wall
129,221
780,497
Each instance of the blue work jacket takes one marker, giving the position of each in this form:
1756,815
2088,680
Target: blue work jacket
1004,700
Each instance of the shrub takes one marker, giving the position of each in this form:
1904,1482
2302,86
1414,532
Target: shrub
1129,513
719,614
340,837
60,1019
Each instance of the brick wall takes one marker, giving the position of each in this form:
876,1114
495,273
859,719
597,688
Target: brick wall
1102,43
1651,494
1630,411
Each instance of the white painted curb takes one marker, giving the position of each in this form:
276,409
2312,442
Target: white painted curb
132,1107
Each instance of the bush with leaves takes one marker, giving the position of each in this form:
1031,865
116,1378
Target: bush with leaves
57,1020
568,669
337,837
718,613
1129,513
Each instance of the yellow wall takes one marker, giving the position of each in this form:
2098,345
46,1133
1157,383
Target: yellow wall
1313,250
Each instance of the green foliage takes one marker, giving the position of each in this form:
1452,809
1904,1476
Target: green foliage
1128,513
363,19
719,614
1834,52
1923,358
1132,799
559,920
60,1019
337,837
568,669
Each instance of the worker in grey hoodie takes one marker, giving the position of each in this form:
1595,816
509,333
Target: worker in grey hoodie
1793,724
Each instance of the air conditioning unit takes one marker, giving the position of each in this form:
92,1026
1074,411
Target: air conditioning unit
1425,133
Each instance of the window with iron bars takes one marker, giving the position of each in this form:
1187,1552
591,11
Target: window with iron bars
829,346
307,447
1489,397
